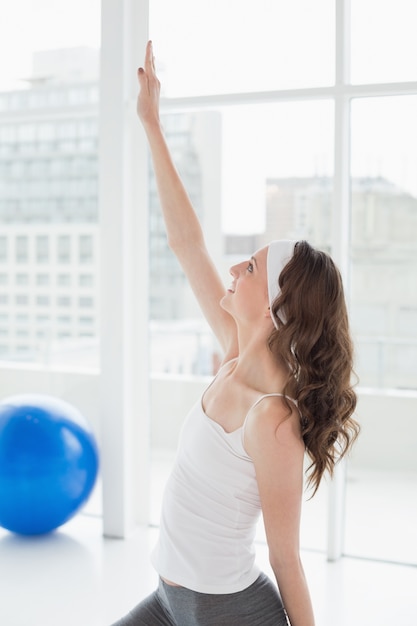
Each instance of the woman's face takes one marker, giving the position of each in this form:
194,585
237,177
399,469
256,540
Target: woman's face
247,296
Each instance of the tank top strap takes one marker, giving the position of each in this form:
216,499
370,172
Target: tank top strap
269,395
266,395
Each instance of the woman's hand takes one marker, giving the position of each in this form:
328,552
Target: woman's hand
148,98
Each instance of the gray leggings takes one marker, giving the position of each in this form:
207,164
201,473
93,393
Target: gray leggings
258,605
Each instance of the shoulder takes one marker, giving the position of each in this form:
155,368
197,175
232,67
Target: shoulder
273,424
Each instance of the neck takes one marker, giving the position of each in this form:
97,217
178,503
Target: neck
256,363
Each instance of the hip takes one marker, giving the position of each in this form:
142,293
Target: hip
259,604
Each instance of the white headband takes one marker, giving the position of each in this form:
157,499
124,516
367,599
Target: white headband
279,253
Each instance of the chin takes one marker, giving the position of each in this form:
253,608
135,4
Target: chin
224,302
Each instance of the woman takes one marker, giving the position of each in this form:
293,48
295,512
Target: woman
283,389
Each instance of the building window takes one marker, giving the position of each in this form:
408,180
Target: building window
22,249
86,248
64,301
64,319
42,279
42,300
86,321
64,280
85,302
64,248
22,279
85,280
4,245
21,300
42,248
43,319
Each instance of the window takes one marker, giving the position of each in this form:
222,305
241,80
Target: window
4,245
64,301
22,249
372,60
43,319
85,302
384,240
64,248
42,279
26,132
42,301
86,280
87,321
86,248
22,279
64,319
360,206
64,334
285,35
42,248
64,280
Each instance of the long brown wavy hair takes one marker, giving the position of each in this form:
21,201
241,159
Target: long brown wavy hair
314,342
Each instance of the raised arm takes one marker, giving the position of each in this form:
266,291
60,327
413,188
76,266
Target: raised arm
184,233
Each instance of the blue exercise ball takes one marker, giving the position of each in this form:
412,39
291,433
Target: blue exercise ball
48,463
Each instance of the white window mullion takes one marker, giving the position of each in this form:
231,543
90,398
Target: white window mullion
124,389
340,241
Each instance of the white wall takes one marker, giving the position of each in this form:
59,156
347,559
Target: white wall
77,388
389,430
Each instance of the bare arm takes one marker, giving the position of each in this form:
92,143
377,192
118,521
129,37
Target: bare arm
185,236
273,441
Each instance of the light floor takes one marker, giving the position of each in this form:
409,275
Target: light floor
76,577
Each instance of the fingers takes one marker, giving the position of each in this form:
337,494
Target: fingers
149,59
141,76
148,69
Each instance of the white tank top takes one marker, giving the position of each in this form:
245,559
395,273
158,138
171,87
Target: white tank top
210,510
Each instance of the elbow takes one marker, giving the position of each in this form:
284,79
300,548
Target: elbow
284,560
177,245
185,244
173,243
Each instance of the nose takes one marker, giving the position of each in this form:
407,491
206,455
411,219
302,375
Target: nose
234,270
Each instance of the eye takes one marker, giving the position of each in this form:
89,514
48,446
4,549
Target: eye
250,267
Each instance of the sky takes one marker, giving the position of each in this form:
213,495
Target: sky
30,25
224,46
